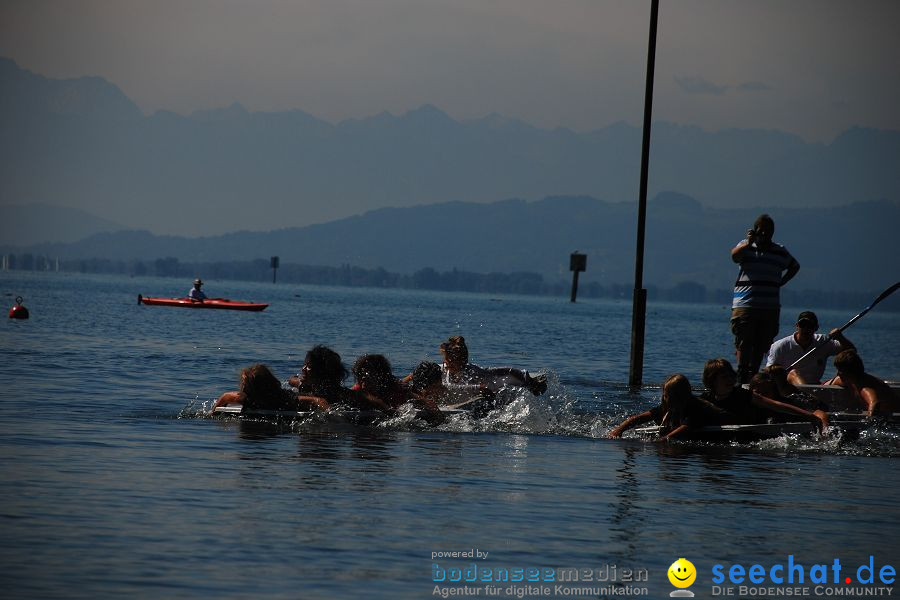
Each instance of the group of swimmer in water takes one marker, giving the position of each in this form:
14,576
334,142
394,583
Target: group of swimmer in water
770,396
320,384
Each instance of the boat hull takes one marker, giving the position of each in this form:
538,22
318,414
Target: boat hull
848,423
838,398
212,303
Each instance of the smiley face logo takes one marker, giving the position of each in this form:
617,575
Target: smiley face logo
682,573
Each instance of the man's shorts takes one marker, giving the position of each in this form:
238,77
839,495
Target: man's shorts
754,327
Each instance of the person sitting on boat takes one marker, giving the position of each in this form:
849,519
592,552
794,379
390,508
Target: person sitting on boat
722,391
259,389
458,371
425,382
872,393
678,412
323,375
375,378
776,408
788,350
196,293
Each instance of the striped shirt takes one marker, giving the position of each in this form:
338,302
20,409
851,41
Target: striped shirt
759,279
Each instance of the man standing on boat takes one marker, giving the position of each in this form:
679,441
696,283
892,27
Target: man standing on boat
196,293
765,267
788,350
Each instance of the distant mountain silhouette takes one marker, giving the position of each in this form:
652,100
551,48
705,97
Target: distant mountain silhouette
82,143
25,93
27,224
838,248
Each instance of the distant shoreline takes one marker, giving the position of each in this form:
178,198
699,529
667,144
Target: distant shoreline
516,283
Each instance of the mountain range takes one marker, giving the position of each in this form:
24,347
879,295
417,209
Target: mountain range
845,247
83,143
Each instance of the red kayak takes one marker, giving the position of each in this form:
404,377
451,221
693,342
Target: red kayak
224,303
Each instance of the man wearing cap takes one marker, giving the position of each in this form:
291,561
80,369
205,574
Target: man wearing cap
787,351
196,293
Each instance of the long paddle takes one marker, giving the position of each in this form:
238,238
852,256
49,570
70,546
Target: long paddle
881,297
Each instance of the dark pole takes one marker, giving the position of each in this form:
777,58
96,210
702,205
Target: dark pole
577,263
639,302
574,285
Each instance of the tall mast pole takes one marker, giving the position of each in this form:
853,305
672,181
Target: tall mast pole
639,299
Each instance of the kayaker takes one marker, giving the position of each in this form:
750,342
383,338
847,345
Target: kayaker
764,267
458,371
788,350
872,393
678,412
196,293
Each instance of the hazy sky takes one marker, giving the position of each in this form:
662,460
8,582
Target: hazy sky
810,67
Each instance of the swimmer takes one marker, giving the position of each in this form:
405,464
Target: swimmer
375,377
458,371
678,412
323,375
259,389
873,394
773,405
426,384
722,391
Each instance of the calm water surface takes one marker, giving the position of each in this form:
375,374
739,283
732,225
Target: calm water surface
114,486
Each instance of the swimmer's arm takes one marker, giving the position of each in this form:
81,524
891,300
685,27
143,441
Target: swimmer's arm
818,417
519,374
675,432
372,400
871,400
229,398
314,402
632,421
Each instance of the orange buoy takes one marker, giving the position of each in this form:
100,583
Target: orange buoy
18,311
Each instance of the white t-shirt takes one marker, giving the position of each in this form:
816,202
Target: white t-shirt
786,350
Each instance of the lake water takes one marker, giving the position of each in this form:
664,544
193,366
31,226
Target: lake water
113,485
